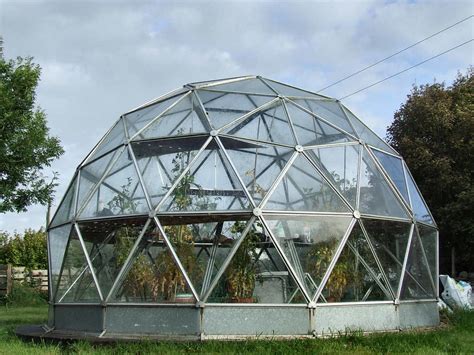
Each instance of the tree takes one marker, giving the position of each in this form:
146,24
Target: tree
433,130
26,147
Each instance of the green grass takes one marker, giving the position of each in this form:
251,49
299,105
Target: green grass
455,337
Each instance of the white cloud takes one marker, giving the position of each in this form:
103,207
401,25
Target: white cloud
101,58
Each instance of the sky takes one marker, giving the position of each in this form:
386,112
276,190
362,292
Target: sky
100,59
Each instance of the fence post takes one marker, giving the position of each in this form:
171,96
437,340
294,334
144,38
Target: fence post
5,279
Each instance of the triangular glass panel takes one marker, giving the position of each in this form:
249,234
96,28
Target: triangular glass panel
91,174
394,168
389,239
138,119
256,274
309,243
76,283
153,274
66,209
120,192
355,276
203,243
417,280
258,165
223,108
109,242
210,185
58,240
376,196
419,208
367,135
291,91
161,162
303,188
429,241
186,117
249,86
269,125
113,139
328,110
310,130
339,164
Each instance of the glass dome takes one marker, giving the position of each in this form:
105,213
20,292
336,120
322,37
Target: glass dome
242,191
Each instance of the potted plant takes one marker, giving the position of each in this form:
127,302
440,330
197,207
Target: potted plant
318,260
241,273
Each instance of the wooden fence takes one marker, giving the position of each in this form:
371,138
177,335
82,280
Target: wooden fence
18,274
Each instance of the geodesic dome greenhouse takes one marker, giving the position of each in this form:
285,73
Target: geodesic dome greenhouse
241,206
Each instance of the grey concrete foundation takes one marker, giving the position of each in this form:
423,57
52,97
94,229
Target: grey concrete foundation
221,321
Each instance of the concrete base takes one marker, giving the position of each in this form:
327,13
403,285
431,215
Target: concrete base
186,322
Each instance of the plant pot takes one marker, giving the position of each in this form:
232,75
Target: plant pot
242,300
184,298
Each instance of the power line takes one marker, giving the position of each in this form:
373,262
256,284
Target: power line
394,54
404,70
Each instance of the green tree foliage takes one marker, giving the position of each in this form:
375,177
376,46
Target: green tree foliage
27,250
26,147
433,130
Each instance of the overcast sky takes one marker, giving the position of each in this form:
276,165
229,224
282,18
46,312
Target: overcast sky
102,58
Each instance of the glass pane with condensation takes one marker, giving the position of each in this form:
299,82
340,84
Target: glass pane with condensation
328,110
256,274
66,209
429,241
112,140
355,276
309,243
390,239
109,244
91,174
339,164
223,108
258,165
310,130
417,281
303,188
367,135
394,168
376,196
119,193
138,119
419,208
76,283
153,276
269,125
186,117
287,90
209,185
251,86
58,240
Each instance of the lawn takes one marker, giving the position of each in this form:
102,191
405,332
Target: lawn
456,336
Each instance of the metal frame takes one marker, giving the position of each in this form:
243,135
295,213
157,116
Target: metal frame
405,260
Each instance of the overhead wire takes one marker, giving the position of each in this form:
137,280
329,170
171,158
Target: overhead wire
404,70
396,53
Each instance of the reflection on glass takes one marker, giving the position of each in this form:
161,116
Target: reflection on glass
390,240
256,273
356,276
309,243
